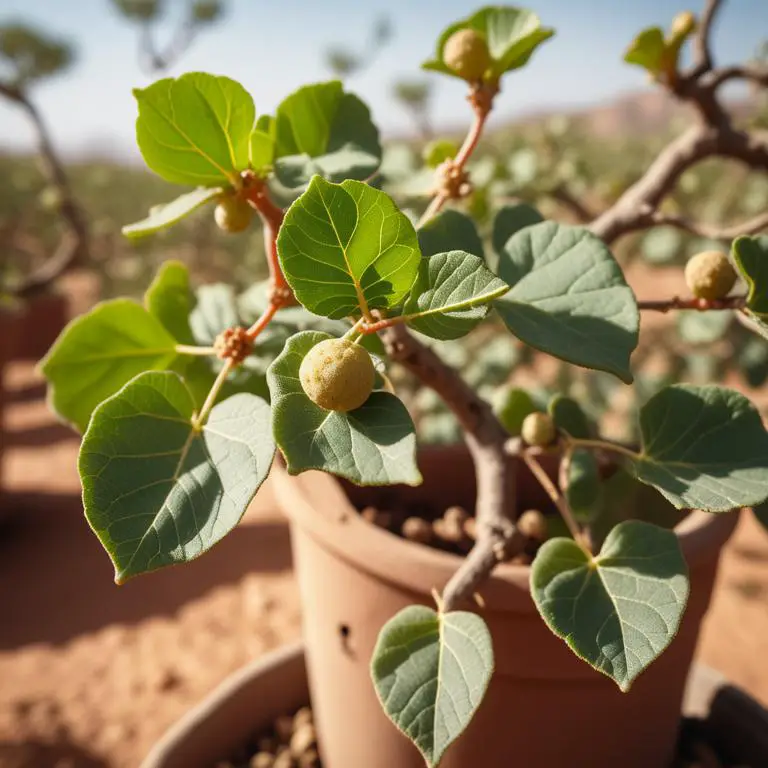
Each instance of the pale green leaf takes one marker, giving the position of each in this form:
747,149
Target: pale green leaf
451,294
569,297
569,416
169,298
512,406
509,220
431,671
647,50
346,247
450,230
372,445
620,609
156,490
703,448
164,216
751,257
99,352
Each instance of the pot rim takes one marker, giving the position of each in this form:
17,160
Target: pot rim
315,501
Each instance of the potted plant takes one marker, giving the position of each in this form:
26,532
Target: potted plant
564,554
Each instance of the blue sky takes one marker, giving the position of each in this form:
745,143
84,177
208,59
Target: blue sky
273,47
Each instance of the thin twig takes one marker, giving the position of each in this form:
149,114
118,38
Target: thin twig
701,305
750,227
188,349
199,420
264,320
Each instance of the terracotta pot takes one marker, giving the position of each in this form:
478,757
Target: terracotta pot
35,324
544,706
249,701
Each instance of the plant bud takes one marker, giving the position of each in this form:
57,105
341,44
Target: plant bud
710,275
538,429
337,375
533,525
682,25
417,529
467,54
233,214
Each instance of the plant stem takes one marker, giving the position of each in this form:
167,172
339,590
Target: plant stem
602,445
702,305
264,320
257,194
558,499
200,419
368,328
188,349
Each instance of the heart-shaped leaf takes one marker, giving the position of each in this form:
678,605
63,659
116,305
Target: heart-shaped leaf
157,491
372,445
620,609
450,230
346,248
703,448
431,671
169,298
195,129
451,294
509,220
751,257
320,129
569,297
99,352
164,216
512,406
512,35
583,489
648,50
569,416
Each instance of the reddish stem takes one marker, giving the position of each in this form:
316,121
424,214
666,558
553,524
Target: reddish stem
265,318
257,194
702,305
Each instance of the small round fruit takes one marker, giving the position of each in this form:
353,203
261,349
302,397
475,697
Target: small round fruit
533,525
337,375
538,429
710,275
467,54
233,214
682,25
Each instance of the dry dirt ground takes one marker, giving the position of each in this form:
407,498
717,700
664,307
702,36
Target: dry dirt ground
91,674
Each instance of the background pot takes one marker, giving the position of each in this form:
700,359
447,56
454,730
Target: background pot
543,706
35,324
249,701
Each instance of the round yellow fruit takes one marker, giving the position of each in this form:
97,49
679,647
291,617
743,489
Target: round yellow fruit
467,54
710,275
538,429
337,375
233,214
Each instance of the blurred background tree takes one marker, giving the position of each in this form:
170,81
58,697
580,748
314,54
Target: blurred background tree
415,97
343,62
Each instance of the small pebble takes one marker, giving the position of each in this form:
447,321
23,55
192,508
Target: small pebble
310,759
448,530
304,715
262,760
457,514
303,739
470,528
284,760
284,728
376,517
533,524
417,529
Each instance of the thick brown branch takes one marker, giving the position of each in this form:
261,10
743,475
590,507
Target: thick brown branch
563,195
485,438
752,74
749,227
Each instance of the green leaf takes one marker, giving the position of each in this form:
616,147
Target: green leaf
583,491
164,216
320,129
431,671
569,297
619,610
195,129
169,299
450,230
648,50
346,248
661,245
761,514
512,34
753,361
451,294
512,407
509,220
158,491
372,445
569,416
261,151
751,257
703,448
215,310
99,352
703,327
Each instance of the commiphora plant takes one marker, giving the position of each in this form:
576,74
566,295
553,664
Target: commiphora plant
180,430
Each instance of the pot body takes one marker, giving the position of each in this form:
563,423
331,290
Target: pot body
35,325
545,708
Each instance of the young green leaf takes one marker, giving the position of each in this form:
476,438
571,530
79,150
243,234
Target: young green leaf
513,405
583,490
372,445
569,297
195,129
99,352
164,216
320,129
512,35
431,671
569,416
158,491
261,150
751,257
509,220
346,248
703,448
450,230
169,298
451,294
620,609
648,50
